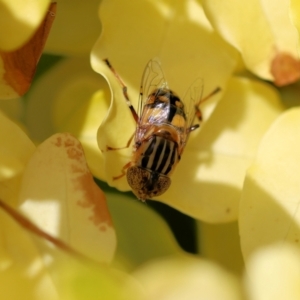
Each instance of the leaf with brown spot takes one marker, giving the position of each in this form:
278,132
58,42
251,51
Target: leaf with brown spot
41,271
19,66
59,195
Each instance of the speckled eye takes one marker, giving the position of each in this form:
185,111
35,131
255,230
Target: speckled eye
147,184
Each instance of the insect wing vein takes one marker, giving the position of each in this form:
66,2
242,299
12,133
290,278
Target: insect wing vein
191,99
152,79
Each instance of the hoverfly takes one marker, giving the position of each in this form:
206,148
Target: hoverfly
163,125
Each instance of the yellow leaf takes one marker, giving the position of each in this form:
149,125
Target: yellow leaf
75,29
269,210
15,149
274,273
187,278
76,101
221,243
181,37
58,193
44,270
21,264
213,166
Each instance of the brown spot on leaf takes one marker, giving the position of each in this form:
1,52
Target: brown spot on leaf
74,153
93,199
103,228
91,196
20,65
77,169
58,142
69,140
285,68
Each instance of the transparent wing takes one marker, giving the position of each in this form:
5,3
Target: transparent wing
153,78
191,99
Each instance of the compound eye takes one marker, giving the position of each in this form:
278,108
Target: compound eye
146,184
163,183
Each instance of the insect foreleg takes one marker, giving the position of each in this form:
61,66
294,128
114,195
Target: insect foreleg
198,112
123,171
124,88
192,128
108,148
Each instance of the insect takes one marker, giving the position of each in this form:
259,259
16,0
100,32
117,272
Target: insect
163,124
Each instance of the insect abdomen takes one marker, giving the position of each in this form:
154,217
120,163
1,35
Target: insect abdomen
158,154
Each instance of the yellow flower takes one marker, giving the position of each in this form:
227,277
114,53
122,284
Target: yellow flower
272,273
263,32
209,177
75,29
56,190
53,187
242,164
73,102
270,201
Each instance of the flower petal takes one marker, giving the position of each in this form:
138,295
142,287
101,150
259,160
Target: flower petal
187,278
15,149
13,108
270,201
274,273
177,37
259,42
224,143
52,271
22,265
73,103
142,234
59,194
76,28
217,157
187,30
221,244
295,14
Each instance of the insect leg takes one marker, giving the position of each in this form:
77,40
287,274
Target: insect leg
197,108
192,128
198,111
108,148
123,171
124,87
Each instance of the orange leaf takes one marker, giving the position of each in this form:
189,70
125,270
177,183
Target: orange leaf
20,65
